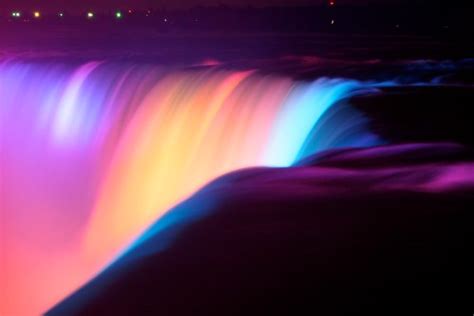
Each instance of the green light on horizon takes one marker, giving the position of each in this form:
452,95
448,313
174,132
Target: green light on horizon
118,15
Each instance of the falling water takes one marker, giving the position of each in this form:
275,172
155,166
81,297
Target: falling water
92,154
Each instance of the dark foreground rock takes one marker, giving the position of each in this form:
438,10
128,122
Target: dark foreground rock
384,231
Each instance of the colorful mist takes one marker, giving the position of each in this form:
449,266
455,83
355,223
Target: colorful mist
92,154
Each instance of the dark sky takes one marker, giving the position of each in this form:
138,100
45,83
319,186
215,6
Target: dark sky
49,4
74,5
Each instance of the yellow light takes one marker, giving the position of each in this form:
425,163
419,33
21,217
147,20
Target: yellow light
37,14
90,15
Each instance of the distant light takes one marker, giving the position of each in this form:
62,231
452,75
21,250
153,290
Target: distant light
90,15
165,19
332,3
61,14
37,14
332,22
130,11
16,14
118,15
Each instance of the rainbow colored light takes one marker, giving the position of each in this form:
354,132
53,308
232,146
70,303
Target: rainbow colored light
92,155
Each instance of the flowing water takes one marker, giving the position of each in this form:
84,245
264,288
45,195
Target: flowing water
94,153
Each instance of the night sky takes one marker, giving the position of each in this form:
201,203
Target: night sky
54,5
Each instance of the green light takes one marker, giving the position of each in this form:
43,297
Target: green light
118,15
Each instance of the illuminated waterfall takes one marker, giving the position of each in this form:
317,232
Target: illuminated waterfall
92,154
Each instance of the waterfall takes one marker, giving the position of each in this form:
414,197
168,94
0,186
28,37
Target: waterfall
94,153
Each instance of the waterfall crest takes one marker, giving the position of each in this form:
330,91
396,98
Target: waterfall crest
92,154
